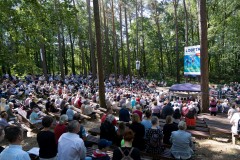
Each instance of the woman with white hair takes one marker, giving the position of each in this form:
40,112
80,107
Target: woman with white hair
61,127
181,142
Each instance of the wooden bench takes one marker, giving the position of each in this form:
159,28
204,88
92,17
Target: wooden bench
93,139
94,131
165,155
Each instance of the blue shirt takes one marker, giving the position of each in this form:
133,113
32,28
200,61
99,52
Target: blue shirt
147,124
14,152
33,117
70,114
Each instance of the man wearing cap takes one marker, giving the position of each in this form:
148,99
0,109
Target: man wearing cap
101,152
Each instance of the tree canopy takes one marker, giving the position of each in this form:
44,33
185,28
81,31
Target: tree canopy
58,36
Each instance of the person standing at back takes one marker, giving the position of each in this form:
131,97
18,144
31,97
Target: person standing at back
14,151
46,141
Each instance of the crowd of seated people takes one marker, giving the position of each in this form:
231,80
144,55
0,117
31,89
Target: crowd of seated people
138,109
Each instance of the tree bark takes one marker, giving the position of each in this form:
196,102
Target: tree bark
43,60
99,55
186,23
91,41
72,51
175,3
204,55
128,52
121,34
114,46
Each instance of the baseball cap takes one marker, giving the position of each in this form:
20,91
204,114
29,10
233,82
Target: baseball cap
103,143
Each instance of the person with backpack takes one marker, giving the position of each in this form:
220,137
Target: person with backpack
154,137
127,152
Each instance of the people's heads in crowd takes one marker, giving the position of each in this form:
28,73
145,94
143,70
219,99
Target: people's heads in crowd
154,103
135,118
36,109
47,121
110,118
182,125
63,119
14,134
73,126
154,120
77,116
103,144
169,119
148,113
128,135
121,128
177,114
11,105
138,107
4,115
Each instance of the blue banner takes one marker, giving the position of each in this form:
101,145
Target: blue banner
192,60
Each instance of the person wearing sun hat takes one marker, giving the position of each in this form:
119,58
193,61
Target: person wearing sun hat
101,152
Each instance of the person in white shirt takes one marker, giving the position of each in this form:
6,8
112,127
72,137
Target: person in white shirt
231,111
70,145
234,121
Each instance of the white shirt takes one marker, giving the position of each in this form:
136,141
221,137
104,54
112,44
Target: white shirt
234,122
71,147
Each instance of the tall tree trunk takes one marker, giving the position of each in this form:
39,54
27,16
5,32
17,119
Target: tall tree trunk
106,48
121,39
91,41
186,23
60,54
175,3
72,51
204,55
82,56
128,52
143,45
64,53
114,45
43,60
137,56
99,55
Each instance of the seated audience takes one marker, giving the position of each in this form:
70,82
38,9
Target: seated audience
124,114
127,149
46,140
101,152
139,132
168,128
181,142
154,137
82,133
61,127
138,111
177,116
2,134
146,122
3,119
107,129
70,145
14,151
35,117
70,113
109,111
156,110
167,110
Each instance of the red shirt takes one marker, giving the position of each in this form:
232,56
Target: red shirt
139,113
59,130
114,122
